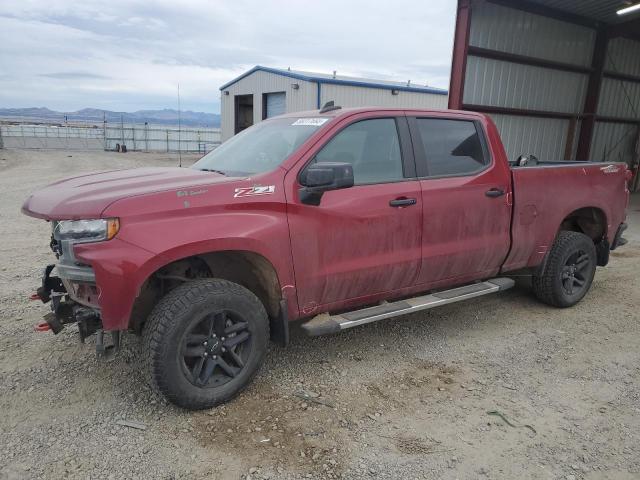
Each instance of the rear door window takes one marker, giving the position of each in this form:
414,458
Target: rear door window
451,147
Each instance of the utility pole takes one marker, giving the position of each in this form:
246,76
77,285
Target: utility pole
179,127
122,129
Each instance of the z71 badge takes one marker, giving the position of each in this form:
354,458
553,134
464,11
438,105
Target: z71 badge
254,191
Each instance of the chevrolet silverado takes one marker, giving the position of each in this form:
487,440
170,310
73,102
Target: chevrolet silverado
338,217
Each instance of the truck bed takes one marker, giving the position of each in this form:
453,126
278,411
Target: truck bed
546,193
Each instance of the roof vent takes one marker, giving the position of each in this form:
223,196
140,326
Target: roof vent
329,106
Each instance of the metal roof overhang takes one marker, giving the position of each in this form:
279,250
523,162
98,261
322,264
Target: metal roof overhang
592,13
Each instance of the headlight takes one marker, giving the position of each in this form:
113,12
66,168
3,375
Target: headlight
86,230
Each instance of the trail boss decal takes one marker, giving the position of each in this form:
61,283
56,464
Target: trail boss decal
610,169
254,191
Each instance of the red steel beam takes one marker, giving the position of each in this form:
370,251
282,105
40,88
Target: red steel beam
571,135
517,111
526,60
521,112
625,77
628,121
593,94
460,50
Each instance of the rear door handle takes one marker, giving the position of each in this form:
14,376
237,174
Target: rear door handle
403,202
494,192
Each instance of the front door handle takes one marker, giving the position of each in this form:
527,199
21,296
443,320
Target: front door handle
494,192
403,202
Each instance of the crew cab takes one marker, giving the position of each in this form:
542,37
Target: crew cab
336,217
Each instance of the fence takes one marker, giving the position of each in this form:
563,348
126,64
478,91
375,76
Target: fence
152,138
144,138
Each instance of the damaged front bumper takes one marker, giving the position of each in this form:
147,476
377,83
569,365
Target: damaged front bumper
71,296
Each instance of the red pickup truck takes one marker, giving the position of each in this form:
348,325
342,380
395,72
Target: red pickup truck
339,216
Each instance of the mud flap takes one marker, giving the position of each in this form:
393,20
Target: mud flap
279,326
602,253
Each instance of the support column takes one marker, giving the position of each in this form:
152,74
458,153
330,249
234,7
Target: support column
460,51
571,135
593,94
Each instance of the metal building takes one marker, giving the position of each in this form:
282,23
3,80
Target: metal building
264,92
561,78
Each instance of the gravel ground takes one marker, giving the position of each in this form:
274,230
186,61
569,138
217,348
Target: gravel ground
407,398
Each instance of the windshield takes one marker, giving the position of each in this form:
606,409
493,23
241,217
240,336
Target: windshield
261,148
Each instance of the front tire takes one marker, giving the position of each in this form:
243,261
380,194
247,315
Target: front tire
568,272
204,342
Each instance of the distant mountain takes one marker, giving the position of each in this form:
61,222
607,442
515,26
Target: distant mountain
95,115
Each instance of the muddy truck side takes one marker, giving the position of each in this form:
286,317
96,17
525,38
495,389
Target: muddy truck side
337,217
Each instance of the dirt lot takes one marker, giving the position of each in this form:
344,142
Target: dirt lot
407,398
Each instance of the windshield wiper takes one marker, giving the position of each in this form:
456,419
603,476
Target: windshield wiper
213,170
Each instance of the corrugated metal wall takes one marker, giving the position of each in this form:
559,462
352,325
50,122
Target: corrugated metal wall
533,69
618,98
304,98
514,31
349,96
503,84
613,142
498,83
543,137
623,56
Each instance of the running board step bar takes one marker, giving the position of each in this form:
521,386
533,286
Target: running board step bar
324,323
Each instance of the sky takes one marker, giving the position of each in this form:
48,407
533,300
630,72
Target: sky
131,55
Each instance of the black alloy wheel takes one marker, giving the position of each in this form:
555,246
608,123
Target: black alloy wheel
568,270
216,349
204,342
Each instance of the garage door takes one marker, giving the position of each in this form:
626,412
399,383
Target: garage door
275,104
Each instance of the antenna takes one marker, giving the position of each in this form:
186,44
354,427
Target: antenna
179,127
329,106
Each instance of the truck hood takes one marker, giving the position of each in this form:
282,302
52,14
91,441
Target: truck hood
87,196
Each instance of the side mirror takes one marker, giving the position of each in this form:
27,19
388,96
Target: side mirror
322,177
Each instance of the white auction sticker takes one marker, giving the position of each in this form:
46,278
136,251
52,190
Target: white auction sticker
310,121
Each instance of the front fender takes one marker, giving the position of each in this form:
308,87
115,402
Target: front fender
122,268
163,227
146,243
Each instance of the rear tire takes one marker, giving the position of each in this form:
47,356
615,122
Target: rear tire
568,272
204,342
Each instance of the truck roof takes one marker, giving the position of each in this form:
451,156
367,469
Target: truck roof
343,112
